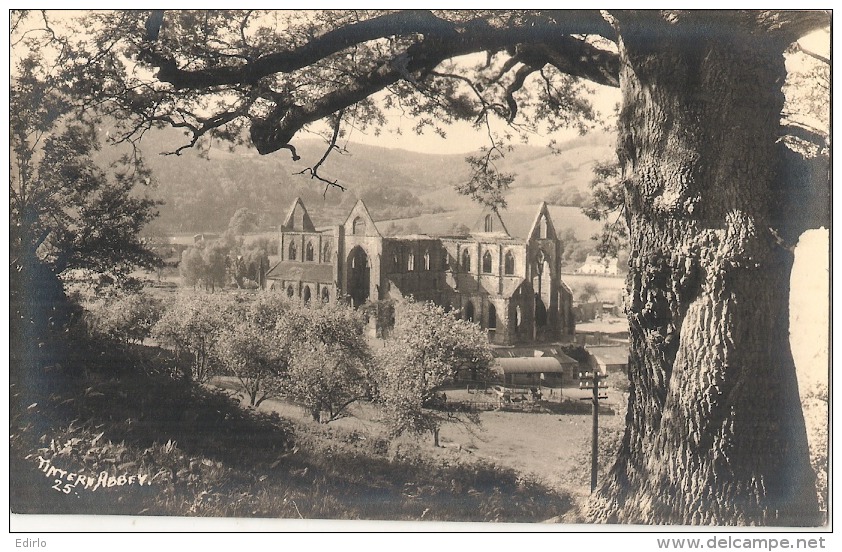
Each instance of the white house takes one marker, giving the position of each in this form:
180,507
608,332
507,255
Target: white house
594,264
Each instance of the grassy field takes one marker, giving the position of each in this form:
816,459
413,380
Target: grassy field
111,432
552,449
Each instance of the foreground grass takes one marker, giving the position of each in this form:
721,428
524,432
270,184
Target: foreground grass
148,443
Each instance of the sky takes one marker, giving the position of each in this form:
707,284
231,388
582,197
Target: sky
462,137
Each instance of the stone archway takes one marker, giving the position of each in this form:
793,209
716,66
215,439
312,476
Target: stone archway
359,276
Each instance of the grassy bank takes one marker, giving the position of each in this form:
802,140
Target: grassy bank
120,435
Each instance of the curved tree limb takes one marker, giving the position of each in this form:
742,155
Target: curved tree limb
806,133
476,33
271,133
799,48
514,86
537,42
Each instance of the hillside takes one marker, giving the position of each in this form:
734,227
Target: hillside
517,217
112,430
202,189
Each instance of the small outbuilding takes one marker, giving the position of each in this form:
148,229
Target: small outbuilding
534,371
609,360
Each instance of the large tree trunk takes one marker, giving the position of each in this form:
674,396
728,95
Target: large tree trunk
715,432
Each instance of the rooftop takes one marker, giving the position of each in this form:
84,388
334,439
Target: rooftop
305,271
610,356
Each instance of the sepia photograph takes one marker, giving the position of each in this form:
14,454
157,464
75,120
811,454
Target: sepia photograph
454,270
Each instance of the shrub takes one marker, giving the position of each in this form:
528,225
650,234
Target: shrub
126,318
815,405
192,325
329,358
428,349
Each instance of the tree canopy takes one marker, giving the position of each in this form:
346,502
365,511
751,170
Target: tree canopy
428,349
260,77
66,210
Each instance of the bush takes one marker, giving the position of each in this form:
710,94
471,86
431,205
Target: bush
428,349
815,405
126,318
191,325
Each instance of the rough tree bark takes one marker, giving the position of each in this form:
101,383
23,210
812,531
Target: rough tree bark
715,433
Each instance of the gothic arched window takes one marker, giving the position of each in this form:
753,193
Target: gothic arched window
509,263
308,252
466,261
486,262
293,251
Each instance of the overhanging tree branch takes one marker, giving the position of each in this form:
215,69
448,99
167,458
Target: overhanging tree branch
273,132
442,39
514,86
421,22
806,133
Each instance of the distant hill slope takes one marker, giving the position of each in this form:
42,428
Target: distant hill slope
202,190
518,220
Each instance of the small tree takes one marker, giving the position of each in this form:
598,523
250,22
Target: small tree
589,291
428,349
192,266
243,221
250,265
249,353
215,260
326,380
192,325
252,349
206,265
607,203
329,358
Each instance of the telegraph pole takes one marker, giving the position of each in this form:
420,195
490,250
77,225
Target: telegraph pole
594,381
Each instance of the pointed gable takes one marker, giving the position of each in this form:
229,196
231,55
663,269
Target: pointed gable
490,222
298,219
359,222
542,227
